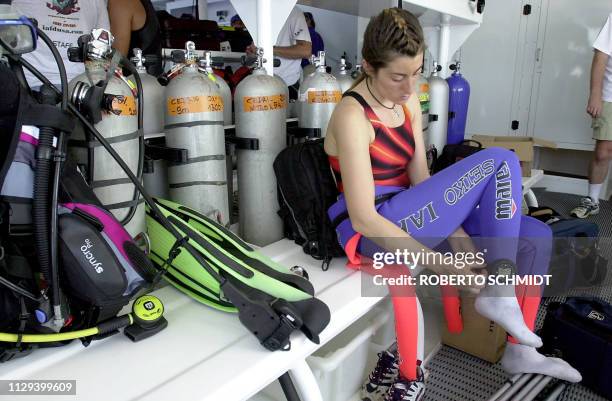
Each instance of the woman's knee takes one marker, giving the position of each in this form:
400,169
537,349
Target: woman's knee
602,155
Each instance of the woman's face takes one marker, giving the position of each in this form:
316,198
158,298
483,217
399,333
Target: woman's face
398,79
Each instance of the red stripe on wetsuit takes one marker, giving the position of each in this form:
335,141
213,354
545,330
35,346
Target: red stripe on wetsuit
390,153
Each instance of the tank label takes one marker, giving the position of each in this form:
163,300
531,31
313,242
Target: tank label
424,97
315,96
264,103
123,105
194,104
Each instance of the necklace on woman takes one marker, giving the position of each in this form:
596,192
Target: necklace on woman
378,101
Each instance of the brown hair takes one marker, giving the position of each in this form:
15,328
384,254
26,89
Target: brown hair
394,32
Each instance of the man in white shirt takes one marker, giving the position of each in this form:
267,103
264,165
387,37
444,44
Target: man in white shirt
292,45
63,21
600,108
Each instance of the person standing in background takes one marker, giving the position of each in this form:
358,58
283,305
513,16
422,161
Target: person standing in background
241,39
134,24
292,45
316,39
64,21
236,23
599,107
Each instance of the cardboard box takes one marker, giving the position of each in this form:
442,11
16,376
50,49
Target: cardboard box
521,145
480,337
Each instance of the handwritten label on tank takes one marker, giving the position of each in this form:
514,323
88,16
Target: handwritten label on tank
194,104
324,96
263,103
121,105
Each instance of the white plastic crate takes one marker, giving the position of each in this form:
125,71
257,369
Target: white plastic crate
385,334
341,365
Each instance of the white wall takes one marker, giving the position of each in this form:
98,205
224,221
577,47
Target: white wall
338,31
535,69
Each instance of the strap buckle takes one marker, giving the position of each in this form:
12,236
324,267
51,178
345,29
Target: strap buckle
288,322
172,254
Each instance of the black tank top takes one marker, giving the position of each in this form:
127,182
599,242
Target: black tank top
148,38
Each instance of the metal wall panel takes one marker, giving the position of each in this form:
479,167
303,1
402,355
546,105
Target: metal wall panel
564,71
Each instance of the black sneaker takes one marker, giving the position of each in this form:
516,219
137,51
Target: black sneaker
382,377
405,390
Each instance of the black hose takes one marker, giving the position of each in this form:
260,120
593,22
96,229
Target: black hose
15,288
141,144
52,234
40,204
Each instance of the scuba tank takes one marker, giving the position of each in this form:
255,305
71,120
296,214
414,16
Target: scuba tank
308,69
226,93
153,99
317,98
103,84
194,121
261,109
155,180
423,94
438,110
344,76
458,102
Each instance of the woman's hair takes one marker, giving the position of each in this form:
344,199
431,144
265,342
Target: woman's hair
394,32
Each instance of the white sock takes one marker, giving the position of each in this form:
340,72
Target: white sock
594,191
520,358
505,311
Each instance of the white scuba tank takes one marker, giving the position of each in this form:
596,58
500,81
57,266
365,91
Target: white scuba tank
438,110
224,88
345,81
317,98
119,125
261,112
156,181
194,121
308,68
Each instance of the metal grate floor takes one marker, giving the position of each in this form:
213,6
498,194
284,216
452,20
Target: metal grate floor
462,377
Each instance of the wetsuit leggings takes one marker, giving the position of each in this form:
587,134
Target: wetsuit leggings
482,193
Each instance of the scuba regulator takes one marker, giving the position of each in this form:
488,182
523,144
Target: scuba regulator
89,98
145,320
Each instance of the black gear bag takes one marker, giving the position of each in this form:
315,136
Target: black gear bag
306,189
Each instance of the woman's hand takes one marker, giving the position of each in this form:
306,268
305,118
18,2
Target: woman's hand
461,243
464,269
